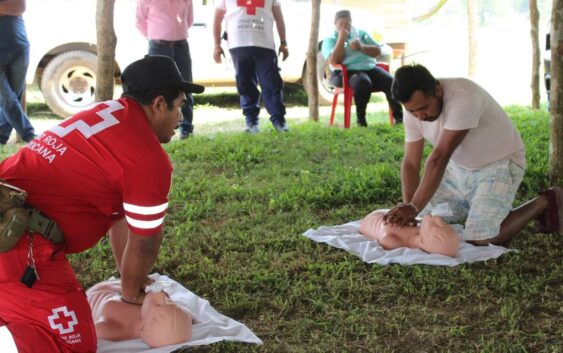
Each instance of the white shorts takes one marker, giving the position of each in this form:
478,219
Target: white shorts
483,197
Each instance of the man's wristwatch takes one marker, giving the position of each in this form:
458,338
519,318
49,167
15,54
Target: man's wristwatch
283,42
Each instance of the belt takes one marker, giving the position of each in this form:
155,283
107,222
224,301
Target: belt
45,226
168,43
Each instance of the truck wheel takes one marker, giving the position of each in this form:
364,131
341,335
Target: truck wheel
323,74
68,82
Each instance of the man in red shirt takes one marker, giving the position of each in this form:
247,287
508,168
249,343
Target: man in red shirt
100,170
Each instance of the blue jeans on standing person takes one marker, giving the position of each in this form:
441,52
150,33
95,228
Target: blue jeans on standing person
179,51
13,68
255,65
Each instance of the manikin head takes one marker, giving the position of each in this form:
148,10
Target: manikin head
438,237
432,235
164,322
158,322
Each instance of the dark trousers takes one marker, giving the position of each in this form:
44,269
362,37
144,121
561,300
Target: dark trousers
13,68
365,82
255,65
179,51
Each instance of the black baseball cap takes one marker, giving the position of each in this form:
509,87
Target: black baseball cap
155,71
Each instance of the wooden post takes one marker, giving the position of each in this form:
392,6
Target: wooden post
107,41
556,102
535,83
313,89
472,37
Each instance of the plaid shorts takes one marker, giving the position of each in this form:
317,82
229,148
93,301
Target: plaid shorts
482,197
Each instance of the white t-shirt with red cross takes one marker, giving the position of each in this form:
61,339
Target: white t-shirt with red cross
249,22
467,106
93,169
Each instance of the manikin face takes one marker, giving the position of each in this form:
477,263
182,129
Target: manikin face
425,107
438,237
163,322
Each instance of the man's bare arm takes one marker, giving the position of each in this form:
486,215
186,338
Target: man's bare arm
280,26
139,255
118,234
217,21
435,166
410,169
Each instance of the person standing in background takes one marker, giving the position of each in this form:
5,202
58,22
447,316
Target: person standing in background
14,60
165,24
249,29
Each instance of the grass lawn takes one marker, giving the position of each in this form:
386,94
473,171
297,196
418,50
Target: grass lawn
239,205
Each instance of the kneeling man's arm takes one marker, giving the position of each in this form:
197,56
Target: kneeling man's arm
435,166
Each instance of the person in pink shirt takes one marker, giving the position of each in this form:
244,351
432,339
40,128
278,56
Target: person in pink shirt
165,24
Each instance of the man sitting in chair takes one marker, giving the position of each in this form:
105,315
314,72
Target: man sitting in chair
357,50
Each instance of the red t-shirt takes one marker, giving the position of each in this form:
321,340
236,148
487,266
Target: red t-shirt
93,169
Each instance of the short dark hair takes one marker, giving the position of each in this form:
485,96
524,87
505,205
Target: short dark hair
342,14
411,78
146,97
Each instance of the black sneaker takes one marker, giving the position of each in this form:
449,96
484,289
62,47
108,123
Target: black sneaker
281,127
252,129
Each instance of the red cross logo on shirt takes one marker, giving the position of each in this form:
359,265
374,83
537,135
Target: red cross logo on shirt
250,5
64,323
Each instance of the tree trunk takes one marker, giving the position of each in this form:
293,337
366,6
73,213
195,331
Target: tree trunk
312,81
534,20
107,41
472,38
556,102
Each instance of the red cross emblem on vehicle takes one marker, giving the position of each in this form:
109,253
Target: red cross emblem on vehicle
250,5
64,323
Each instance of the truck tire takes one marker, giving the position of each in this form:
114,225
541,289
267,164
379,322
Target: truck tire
323,72
68,82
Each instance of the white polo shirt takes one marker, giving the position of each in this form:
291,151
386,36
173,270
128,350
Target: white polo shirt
250,24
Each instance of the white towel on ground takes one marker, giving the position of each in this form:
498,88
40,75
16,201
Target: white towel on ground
347,236
209,326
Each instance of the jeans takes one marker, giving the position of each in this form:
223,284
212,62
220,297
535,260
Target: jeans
179,51
255,65
13,68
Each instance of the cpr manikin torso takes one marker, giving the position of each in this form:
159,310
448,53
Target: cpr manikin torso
159,322
432,236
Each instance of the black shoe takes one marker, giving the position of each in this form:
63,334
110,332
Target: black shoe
361,121
31,138
252,129
280,127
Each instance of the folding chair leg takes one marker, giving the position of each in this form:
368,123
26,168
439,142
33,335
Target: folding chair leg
348,95
334,105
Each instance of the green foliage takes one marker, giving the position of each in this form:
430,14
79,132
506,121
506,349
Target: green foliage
240,203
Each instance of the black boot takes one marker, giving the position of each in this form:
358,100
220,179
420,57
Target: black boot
361,121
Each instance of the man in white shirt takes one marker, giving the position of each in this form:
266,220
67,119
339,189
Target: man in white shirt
249,29
477,161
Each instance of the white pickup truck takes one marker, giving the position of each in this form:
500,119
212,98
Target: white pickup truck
62,34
